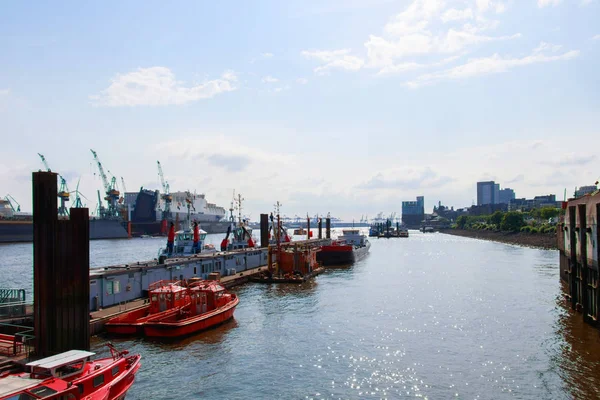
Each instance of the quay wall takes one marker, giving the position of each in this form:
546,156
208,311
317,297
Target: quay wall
578,241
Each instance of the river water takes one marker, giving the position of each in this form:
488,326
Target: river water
432,316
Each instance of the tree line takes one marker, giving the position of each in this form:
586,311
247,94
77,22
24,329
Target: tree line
534,221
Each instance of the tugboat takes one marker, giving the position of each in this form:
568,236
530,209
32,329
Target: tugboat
187,242
346,249
210,304
71,375
166,299
239,236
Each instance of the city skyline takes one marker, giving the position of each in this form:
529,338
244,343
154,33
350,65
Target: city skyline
347,107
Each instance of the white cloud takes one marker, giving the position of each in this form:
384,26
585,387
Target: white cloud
457,15
334,59
4,92
269,79
302,81
267,55
413,66
491,65
157,86
545,3
597,37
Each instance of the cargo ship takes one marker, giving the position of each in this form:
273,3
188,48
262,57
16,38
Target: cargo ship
150,216
17,227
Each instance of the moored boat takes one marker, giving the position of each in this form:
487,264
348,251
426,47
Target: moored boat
166,299
72,375
347,248
210,305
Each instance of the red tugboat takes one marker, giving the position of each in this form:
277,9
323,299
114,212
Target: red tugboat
210,305
346,249
166,299
71,375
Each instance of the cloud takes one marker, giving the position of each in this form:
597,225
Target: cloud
545,3
597,37
490,65
456,15
301,81
232,163
334,59
572,159
405,178
4,92
269,79
267,55
156,86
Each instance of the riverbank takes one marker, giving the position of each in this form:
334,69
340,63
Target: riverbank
538,240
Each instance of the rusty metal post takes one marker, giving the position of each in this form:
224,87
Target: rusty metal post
264,230
583,254
573,258
45,220
328,228
61,273
320,228
307,228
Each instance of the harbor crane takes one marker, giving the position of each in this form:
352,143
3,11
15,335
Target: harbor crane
78,202
110,188
12,200
63,190
166,196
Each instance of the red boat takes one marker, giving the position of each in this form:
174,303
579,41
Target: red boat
71,375
348,248
166,299
210,305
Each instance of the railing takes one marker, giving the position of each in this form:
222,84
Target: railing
16,309
23,336
11,295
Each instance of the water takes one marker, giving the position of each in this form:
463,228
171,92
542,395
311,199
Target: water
432,316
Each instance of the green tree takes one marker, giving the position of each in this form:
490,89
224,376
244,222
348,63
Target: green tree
549,212
512,221
496,218
461,221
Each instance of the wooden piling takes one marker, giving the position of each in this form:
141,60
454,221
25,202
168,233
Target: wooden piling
320,228
264,230
328,228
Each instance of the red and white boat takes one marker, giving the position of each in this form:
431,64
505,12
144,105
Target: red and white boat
166,299
71,375
210,305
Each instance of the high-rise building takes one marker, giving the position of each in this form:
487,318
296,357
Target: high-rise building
506,195
413,212
487,192
583,190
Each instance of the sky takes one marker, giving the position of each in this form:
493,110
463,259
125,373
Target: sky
345,107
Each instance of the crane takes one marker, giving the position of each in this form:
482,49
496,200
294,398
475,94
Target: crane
12,200
123,185
166,196
63,191
78,202
110,188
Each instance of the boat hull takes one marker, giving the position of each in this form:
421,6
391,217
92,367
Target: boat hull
16,231
339,255
164,329
132,323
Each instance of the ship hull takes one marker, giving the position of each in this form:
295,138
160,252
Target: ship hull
22,231
340,255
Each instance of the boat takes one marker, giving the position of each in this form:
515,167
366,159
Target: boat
210,305
166,298
346,249
17,227
403,233
150,215
239,234
427,229
72,375
300,231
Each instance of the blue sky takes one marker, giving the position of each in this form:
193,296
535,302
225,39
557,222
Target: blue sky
341,106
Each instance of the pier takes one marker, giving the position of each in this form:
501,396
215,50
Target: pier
578,240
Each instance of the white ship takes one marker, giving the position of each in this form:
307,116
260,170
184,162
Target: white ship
201,210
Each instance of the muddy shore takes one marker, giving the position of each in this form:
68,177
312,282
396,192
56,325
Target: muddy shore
538,240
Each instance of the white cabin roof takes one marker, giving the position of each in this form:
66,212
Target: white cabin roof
61,359
15,384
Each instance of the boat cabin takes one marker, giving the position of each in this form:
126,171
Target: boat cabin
166,295
242,236
353,237
207,296
61,366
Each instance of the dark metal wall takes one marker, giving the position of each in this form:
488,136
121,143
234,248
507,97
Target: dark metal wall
61,272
